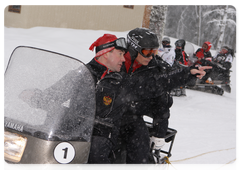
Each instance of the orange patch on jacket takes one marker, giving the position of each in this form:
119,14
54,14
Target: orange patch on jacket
107,100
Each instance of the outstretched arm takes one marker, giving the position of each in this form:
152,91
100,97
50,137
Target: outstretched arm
200,71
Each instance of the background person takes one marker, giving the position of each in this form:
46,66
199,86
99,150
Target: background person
167,52
204,57
224,60
204,52
181,56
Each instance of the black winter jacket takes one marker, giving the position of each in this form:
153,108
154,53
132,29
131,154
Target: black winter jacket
151,86
108,106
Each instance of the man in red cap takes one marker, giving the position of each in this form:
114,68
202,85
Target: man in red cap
105,67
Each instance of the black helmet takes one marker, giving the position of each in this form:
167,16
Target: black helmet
140,38
180,43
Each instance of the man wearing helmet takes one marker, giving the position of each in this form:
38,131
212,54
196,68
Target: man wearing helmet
204,52
221,70
224,57
167,53
181,56
204,58
151,81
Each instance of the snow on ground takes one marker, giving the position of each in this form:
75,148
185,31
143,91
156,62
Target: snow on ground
206,123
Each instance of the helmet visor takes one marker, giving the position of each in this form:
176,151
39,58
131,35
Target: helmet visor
148,52
165,42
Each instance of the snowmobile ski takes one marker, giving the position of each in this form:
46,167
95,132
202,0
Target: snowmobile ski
208,88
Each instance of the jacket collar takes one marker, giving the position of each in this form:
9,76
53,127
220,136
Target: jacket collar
98,69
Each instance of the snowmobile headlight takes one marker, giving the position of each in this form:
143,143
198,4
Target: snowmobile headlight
14,146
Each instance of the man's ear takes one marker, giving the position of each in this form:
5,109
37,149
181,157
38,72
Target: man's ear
106,55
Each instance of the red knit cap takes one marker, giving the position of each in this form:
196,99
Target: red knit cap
106,38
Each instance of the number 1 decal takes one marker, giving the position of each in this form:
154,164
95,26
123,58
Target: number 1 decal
64,153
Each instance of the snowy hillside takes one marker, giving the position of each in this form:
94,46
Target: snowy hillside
206,123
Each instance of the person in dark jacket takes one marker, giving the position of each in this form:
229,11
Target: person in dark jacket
181,56
151,82
204,52
222,62
104,68
204,57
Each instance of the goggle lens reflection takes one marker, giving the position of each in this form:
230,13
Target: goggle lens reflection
121,43
149,52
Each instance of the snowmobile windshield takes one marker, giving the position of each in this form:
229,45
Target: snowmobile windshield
49,95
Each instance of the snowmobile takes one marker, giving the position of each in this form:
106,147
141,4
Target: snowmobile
44,125
217,85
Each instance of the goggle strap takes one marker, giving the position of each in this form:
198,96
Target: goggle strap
104,46
112,44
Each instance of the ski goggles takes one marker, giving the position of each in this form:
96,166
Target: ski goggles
119,44
165,42
224,50
149,52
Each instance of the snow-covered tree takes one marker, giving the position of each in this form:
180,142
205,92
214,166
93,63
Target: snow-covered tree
181,24
158,18
234,44
221,22
146,16
197,24
199,17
